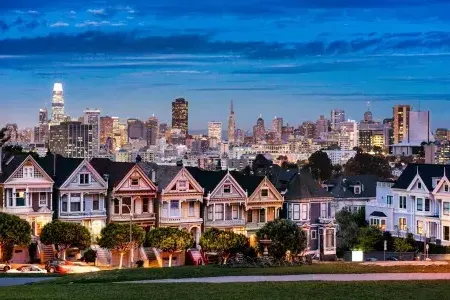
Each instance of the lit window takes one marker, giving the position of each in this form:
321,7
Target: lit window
20,197
296,211
402,223
304,211
419,227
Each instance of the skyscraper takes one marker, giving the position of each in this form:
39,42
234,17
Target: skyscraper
337,117
231,126
71,139
321,126
401,122
215,130
92,117
419,129
41,132
152,130
106,129
58,115
180,115
277,127
259,130
135,129
308,129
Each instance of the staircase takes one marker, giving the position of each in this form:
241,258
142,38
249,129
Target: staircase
151,256
195,257
103,256
47,252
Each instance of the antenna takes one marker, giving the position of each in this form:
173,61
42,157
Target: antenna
368,105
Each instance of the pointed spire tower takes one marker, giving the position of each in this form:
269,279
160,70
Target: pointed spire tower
231,126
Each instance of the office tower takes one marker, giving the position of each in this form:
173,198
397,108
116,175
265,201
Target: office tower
365,140
71,139
348,135
180,115
92,117
215,130
259,130
58,115
13,132
239,137
277,127
307,129
41,132
441,134
337,116
231,126
321,127
368,117
152,130
135,129
106,129
419,127
401,122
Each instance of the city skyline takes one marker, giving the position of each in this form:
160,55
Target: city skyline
385,52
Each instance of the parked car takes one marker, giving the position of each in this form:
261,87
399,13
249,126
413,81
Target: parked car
54,265
5,267
371,259
392,258
28,269
65,267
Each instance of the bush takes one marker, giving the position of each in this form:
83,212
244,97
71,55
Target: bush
140,263
8,252
90,256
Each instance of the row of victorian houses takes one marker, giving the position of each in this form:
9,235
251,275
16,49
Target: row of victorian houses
97,191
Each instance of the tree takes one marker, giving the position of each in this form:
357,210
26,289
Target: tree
284,235
261,165
13,231
169,240
368,238
65,235
319,164
117,237
402,245
347,235
366,164
222,242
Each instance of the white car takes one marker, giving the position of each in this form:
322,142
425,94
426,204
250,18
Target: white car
5,267
27,270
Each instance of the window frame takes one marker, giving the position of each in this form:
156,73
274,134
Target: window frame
227,187
28,172
419,185
402,202
82,178
402,225
191,209
134,180
43,204
96,200
389,199
446,210
421,206
314,234
296,211
264,191
172,209
444,234
304,211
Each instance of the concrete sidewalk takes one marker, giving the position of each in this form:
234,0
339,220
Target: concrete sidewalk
313,277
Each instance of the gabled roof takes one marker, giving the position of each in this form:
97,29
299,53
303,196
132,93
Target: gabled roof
207,179
10,164
343,186
64,167
163,174
116,170
378,214
426,172
248,183
303,186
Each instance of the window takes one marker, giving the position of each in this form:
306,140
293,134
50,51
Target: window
134,181
446,209
191,209
96,202
174,208
84,178
446,233
235,214
182,185
304,211
323,210
42,199
147,205
250,216
357,190
20,197
126,205
402,202
210,212
64,203
427,204
402,224
389,200
375,222
28,172
219,212
264,193
290,211
227,189
419,204
296,211
262,215
329,238
116,206
165,209
314,234
419,185
383,224
75,202
419,228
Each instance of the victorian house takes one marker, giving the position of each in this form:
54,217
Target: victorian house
131,193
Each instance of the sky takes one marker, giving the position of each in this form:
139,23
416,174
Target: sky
297,59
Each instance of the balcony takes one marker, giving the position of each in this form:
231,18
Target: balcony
325,220
82,214
177,220
225,223
135,217
255,226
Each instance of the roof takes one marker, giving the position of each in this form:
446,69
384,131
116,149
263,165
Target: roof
303,186
64,167
343,186
10,164
116,170
378,214
248,183
163,174
209,180
426,171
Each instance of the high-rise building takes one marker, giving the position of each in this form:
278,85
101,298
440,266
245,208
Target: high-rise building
71,139
259,130
419,127
401,122
231,126
337,116
441,134
58,115
92,117
41,132
348,136
308,129
215,130
152,130
321,126
277,127
368,117
365,140
135,129
286,132
180,115
106,129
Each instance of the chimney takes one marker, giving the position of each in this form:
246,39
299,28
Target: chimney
153,175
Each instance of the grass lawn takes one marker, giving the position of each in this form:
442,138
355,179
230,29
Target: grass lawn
214,271
238,291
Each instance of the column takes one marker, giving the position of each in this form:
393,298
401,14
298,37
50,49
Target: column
224,211
27,197
14,197
68,203
214,212
265,213
82,202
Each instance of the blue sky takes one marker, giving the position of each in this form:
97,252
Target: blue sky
293,58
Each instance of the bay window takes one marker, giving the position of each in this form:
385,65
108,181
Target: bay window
126,205
191,212
304,211
296,211
174,208
96,202
219,212
75,202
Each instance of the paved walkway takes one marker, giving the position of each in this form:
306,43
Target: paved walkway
9,281
313,277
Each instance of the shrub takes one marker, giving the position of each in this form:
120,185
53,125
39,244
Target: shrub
140,263
90,256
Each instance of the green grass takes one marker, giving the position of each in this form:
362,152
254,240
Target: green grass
238,291
214,271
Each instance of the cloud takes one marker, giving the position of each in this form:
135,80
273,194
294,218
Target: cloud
243,89
60,24
100,23
100,11
3,26
358,96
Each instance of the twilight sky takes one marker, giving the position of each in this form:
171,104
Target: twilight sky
291,58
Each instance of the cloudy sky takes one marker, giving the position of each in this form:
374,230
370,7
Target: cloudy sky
292,58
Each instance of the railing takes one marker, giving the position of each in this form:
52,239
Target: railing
378,204
325,219
126,217
255,225
82,214
174,220
238,222
18,210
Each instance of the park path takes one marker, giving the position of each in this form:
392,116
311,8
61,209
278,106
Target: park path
10,281
311,277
